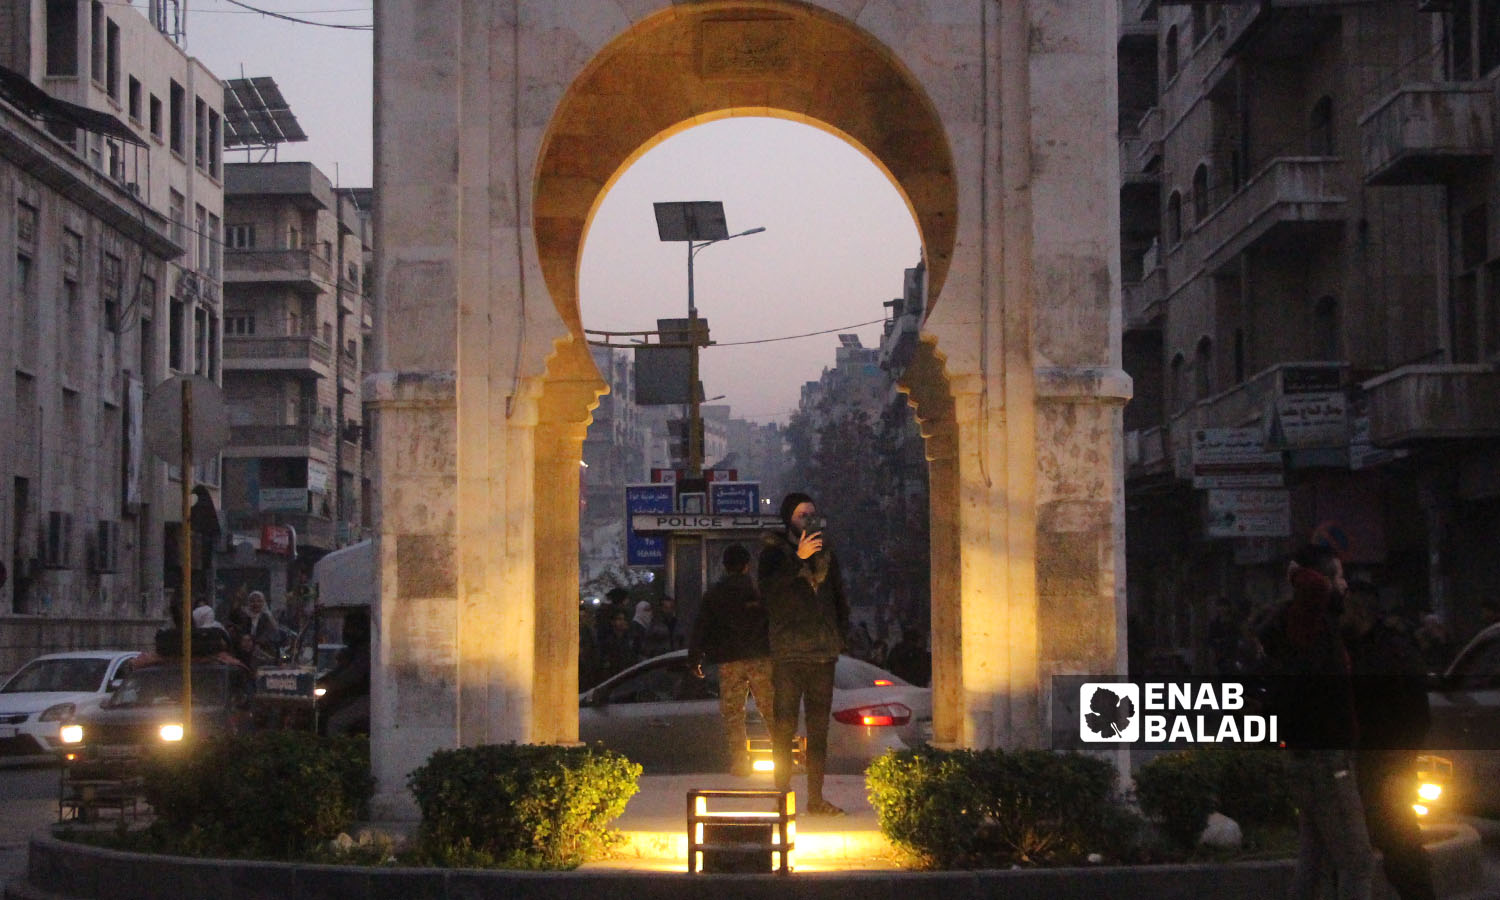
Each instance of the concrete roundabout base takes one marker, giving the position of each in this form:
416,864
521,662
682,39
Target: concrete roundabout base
63,870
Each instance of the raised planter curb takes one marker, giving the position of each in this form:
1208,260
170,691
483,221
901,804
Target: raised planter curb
63,869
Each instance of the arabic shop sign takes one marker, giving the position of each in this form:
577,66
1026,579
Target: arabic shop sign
1234,458
1309,411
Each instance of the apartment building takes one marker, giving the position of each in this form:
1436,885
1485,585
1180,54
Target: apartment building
298,321
110,180
1311,290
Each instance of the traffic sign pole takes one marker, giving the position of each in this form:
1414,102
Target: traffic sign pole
186,543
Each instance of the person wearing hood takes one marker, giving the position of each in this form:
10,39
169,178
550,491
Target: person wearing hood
1312,694
808,617
640,627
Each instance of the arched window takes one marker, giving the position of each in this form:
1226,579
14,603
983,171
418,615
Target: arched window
1326,329
1200,193
1200,23
1320,128
1239,356
1171,51
1178,383
1203,364
1174,219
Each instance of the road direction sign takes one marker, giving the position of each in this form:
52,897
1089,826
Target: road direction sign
163,419
643,550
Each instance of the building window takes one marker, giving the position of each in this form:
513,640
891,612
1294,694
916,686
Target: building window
156,117
239,324
200,134
1320,128
1203,367
200,226
174,336
176,123
201,342
110,283
1326,329
72,247
96,42
1178,383
215,247
177,212
1200,193
213,143
112,59
1239,356
1170,49
239,237
133,99
1174,219
27,218
62,37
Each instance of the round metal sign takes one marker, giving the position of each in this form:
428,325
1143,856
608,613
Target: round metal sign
163,419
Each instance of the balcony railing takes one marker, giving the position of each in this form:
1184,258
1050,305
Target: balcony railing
1428,133
300,267
1433,402
289,352
1291,199
1143,299
280,440
1240,406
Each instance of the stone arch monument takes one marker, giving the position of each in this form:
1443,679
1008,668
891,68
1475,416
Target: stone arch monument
501,124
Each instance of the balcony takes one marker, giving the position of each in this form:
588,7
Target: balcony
300,354
303,270
1146,453
1134,22
1422,402
1246,403
309,438
1428,133
1290,202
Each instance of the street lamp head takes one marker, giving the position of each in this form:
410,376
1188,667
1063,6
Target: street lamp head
756,230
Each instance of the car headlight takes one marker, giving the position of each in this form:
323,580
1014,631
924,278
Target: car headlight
318,692
1429,792
172,732
70,734
58,712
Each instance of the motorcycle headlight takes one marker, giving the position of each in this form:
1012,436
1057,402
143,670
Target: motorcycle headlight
172,732
58,712
70,734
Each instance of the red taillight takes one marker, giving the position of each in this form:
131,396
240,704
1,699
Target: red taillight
883,682
880,714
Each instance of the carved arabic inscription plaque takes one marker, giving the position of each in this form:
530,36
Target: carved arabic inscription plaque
729,48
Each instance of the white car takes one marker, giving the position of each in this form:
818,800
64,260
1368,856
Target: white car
658,714
53,689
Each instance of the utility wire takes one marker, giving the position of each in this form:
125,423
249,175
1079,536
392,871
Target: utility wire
793,337
277,15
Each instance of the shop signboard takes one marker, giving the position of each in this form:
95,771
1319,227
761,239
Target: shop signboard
1234,458
1248,514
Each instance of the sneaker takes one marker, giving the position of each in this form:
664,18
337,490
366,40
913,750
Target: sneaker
823,808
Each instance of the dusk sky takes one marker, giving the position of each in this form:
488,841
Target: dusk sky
837,239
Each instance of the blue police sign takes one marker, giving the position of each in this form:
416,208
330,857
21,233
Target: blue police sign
641,550
734,498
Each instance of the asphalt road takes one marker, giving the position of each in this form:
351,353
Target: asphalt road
28,803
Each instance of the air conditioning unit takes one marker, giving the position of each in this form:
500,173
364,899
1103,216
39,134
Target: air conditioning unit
57,540
106,550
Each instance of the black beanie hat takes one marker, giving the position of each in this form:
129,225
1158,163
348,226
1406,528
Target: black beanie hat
790,504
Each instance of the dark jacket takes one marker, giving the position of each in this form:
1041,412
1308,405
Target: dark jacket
804,600
1390,690
731,623
1308,669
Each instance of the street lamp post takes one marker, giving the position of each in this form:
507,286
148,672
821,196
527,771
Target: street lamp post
700,224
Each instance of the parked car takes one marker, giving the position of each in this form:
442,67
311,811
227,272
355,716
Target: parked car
50,690
144,715
658,714
1465,704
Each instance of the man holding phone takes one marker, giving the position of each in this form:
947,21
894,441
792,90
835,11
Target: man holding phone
808,618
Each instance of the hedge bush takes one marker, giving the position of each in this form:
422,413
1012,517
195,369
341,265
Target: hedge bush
519,805
1247,784
967,808
263,795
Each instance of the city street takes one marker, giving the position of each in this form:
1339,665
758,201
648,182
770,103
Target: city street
28,802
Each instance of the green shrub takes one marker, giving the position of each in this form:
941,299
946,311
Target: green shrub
1247,784
519,805
264,795
965,808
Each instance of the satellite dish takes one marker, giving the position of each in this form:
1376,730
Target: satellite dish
163,419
